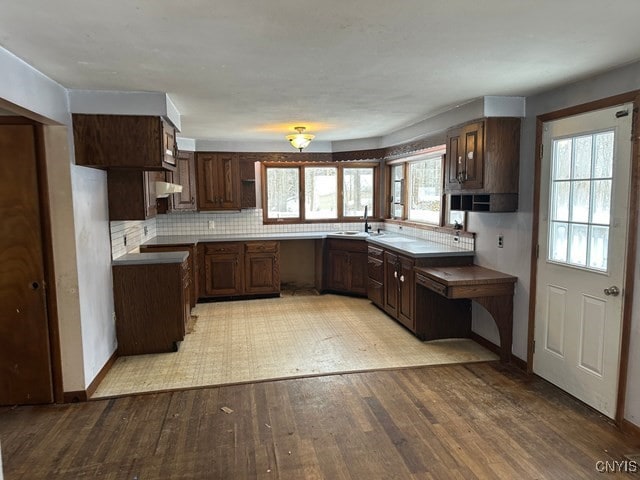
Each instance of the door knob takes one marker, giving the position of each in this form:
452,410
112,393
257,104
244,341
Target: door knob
612,291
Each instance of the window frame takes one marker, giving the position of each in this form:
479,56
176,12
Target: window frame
374,210
405,162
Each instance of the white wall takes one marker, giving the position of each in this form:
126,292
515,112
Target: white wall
80,230
91,217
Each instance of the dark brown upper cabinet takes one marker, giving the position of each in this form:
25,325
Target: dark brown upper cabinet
132,194
185,175
218,181
482,165
124,141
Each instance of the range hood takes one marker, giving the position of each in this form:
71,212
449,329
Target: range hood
164,189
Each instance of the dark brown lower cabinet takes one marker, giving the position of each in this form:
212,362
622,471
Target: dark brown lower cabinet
392,287
152,306
399,288
262,267
346,269
240,268
194,265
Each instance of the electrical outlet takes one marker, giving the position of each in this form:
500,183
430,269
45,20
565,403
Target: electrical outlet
500,241
124,239
212,225
146,230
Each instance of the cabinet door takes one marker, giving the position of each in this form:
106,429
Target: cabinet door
406,285
207,181
169,151
391,284
218,181
262,273
454,162
229,171
185,175
338,275
223,274
131,194
358,272
472,151
464,168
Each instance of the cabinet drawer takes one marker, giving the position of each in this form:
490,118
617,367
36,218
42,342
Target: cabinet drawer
376,252
212,248
431,284
375,269
258,247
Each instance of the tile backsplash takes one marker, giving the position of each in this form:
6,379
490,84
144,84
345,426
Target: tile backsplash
248,221
126,236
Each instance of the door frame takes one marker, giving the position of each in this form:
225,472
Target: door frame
634,202
51,302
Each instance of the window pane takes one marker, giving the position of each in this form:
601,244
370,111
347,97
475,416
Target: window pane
321,192
599,251
580,202
562,159
425,190
560,201
357,191
283,187
397,185
558,242
578,244
601,209
603,165
582,158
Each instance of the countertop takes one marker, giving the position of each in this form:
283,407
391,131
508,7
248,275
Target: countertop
410,246
466,275
150,258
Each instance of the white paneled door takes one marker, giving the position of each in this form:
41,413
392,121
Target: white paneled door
584,206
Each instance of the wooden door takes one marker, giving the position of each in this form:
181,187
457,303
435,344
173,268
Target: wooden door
207,181
338,270
391,284
262,273
453,161
472,153
185,175
229,171
584,208
223,274
405,299
25,360
358,272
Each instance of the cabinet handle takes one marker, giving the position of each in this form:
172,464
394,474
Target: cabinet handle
402,278
395,274
193,200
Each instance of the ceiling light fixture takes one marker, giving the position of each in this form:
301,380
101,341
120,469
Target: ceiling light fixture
300,140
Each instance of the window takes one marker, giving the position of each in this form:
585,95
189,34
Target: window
581,181
357,191
332,191
321,193
283,185
416,187
425,190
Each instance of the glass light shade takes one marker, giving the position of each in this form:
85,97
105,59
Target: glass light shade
300,140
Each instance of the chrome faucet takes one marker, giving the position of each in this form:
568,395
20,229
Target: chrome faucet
367,227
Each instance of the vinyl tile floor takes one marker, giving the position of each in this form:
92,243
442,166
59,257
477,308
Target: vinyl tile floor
290,336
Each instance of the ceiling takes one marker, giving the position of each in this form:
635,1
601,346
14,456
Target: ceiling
239,69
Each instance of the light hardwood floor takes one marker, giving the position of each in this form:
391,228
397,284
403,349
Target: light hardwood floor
480,420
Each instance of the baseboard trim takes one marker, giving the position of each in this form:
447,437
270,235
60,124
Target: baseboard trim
518,362
91,389
84,395
75,397
630,429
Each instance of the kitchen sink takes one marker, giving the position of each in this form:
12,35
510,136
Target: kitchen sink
347,232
